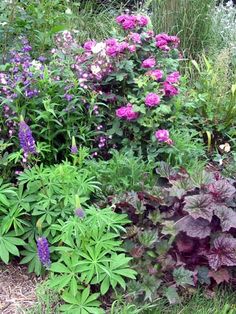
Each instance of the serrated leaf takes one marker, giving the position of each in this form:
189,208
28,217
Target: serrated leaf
199,206
220,275
227,217
183,277
222,253
172,295
221,190
195,228
202,274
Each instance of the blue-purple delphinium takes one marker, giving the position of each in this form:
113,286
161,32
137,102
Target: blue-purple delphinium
27,141
43,251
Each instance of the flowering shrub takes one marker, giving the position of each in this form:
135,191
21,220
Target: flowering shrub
115,93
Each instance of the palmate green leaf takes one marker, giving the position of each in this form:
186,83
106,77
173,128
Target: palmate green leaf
59,268
172,295
82,303
114,272
183,277
8,245
31,258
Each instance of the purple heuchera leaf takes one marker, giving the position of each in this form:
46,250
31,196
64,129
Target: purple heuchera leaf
222,253
199,206
195,228
227,217
221,190
26,138
43,251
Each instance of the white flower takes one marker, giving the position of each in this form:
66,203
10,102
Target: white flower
68,11
36,64
95,69
99,47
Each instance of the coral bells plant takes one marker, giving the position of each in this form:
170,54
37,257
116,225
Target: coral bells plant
183,232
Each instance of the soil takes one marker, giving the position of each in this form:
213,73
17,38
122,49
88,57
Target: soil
17,289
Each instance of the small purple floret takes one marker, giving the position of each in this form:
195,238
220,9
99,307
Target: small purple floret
43,251
80,213
27,141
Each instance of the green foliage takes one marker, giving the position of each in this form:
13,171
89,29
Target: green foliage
122,172
91,255
190,19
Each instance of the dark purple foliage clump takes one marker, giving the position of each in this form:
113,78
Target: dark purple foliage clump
183,231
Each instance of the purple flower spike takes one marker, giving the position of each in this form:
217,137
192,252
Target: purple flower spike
27,141
80,213
74,149
43,251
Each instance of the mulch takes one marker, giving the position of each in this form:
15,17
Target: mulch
17,289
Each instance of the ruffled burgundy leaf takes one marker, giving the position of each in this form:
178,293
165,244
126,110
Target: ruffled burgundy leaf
195,228
199,206
221,190
220,275
222,253
227,217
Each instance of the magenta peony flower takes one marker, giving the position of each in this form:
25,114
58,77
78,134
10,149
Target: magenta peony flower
149,63
162,135
126,112
173,77
111,42
132,48
157,74
142,20
112,51
129,22
135,37
122,46
170,90
88,45
152,100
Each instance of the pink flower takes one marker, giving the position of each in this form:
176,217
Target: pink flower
162,44
111,42
152,100
173,77
162,135
121,18
142,20
170,90
162,41
135,37
132,48
88,45
149,63
122,46
129,22
157,74
112,50
126,112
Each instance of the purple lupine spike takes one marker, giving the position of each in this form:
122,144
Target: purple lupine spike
74,149
27,141
43,251
79,212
